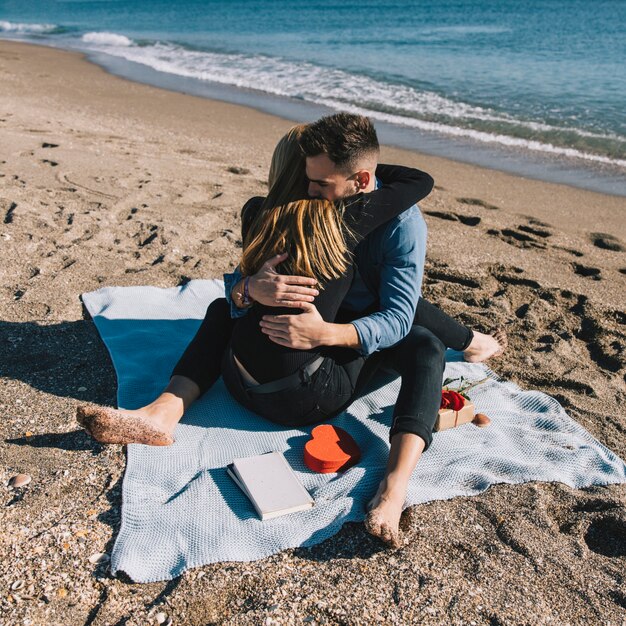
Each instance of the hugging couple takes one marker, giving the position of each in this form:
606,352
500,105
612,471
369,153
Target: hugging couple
327,292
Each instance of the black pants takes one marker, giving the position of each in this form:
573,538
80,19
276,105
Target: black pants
450,332
419,359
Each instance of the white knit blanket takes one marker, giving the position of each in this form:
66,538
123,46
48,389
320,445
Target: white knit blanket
179,507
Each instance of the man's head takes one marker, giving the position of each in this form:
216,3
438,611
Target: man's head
341,153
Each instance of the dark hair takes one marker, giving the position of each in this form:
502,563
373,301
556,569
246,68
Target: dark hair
344,137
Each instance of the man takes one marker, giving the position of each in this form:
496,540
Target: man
341,157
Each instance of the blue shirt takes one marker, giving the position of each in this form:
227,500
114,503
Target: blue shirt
390,268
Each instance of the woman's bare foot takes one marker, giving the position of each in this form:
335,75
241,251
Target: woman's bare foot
484,347
152,424
114,426
383,517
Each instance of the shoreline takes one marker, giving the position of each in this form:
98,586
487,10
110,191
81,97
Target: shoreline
105,181
524,162
471,177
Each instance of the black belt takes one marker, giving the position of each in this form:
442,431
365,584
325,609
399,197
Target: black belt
303,375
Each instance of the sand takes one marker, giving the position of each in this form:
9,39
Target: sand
108,182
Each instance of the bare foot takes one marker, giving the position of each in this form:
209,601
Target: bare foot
484,347
113,426
383,517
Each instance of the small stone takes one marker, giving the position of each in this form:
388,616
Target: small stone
99,557
62,592
82,389
20,480
163,619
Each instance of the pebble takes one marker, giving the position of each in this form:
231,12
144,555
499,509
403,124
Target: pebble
82,389
20,480
163,619
99,557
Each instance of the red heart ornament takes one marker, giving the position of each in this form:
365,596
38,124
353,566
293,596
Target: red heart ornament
330,449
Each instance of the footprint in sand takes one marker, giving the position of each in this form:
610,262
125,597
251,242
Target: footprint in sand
478,202
468,220
607,242
535,231
516,238
607,536
434,274
240,171
577,253
587,272
8,216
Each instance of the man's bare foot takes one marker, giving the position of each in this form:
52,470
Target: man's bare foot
113,426
484,347
383,517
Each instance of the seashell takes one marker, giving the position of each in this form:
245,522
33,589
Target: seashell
17,585
481,420
20,480
99,557
163,619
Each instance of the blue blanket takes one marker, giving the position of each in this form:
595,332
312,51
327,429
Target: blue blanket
179,507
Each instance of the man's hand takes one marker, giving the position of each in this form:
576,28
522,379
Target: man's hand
308,330
273,289
300,332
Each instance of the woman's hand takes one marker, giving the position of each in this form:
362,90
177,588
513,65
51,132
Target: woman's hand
270,288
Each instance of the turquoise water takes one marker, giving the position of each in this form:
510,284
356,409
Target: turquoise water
541,78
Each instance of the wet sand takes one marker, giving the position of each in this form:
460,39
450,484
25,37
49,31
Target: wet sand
108,182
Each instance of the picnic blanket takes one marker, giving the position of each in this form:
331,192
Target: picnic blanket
180,509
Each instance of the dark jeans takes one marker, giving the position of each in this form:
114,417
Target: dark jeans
419,359
451,333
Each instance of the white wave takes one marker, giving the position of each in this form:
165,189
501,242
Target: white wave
13,27
107,39
399,104
462,29
483,137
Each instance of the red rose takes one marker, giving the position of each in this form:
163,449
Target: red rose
452,400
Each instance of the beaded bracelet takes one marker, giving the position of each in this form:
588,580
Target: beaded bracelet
246,300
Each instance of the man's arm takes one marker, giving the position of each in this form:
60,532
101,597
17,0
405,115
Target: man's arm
308,330
404,242
400,286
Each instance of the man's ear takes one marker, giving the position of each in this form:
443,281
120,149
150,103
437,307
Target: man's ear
362,178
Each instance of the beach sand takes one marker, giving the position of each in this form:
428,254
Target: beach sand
108,182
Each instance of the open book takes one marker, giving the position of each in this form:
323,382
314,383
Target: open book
271,484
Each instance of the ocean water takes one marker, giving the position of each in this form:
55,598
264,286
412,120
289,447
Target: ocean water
532,86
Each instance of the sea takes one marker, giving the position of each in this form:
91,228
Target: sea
532,87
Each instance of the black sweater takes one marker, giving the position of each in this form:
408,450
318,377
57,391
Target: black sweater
265,360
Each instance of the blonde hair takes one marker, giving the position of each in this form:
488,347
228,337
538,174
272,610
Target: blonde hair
310,231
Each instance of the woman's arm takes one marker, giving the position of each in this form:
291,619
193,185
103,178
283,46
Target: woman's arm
402,188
